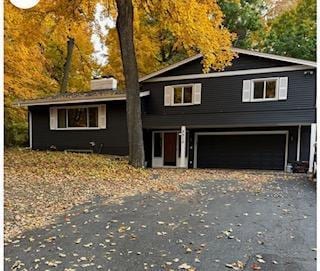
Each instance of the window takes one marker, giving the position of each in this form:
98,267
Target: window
264,89
78,117
182,95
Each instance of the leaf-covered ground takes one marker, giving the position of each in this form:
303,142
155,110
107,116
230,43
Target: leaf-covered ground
39,186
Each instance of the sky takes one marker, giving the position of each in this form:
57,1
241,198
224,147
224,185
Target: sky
104,23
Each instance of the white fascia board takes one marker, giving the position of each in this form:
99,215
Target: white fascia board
276,57
230,73
79,100
169,68
311,64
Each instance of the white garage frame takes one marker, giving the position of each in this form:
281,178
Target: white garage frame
274,132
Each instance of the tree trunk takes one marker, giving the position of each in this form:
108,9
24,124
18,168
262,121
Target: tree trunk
125,32
67,66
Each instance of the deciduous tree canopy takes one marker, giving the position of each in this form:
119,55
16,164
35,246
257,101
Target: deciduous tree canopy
292,33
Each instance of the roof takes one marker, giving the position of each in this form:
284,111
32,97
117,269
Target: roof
80,97
238,51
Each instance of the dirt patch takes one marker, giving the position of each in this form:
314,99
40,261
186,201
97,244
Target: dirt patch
42,185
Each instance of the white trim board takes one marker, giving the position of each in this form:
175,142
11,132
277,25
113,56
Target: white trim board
78,100
280,132
311,64
313,142
230,73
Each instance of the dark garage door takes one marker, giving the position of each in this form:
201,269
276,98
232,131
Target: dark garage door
241,151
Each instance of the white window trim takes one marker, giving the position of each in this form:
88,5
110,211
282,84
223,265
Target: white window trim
77,128
276,98
182,86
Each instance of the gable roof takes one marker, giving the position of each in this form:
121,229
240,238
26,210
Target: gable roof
236,50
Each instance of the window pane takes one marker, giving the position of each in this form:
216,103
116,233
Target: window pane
187,98
77,117
258,90
62,118
157,145
93,116
177,95
271,89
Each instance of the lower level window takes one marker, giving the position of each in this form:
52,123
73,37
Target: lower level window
82,117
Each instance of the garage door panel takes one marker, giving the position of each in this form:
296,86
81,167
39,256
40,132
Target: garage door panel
241,151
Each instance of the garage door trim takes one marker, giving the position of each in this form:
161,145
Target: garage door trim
278,132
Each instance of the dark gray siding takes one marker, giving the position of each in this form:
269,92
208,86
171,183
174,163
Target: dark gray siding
113,140
243,62
221,103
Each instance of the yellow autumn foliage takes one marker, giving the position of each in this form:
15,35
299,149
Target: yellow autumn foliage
165,31
35,50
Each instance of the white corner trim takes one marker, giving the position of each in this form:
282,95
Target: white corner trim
273,132
78,100
313,136
230,73
30,130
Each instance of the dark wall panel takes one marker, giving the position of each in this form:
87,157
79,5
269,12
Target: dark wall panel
113,140
305,143
221,103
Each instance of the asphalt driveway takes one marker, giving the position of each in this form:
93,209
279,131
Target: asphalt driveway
209,226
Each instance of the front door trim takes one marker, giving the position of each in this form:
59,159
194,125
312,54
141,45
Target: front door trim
159,161
274,132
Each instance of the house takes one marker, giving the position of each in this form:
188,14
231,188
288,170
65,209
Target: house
259,113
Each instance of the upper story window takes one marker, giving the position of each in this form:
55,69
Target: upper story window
182,95
78,117
265,89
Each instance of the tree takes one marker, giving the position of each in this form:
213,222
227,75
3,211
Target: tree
195,26
168,31
293,33
243,17
186,26
35,53
134,122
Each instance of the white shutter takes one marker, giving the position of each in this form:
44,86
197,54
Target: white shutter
102,115
283,88
168,95
53,118
196,94
246,90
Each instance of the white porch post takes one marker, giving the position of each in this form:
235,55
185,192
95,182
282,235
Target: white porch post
312,145
183,147
298,143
